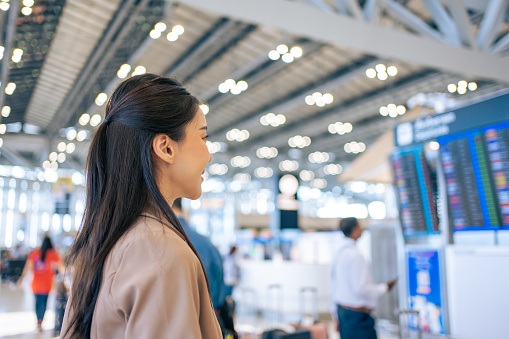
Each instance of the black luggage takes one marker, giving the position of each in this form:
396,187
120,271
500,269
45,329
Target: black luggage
280,334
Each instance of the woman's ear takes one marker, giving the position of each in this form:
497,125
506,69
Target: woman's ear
164,148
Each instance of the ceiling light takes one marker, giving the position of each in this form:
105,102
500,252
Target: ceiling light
371,73
26,11
462,90
266,152
95,120
282,49
70,148
101,99
274,55
392,71
10,88
123,71
4,6
287,58
355,147
328,98
71,134
451,88
380,68
318,157
205,109
155,34
84,119
462,83
53,156
160,26
16,55
332,169
240,161
172,36
28,3
401,109
472,86
6,111
309,100
3,128
318,183
178,29
61,146
296,52
61,157
223,88
82,135
139,70
218,169
46,165
348,127
299,141
288,165
54,165
382,76
235,90
238,135
263,172
306,175
242,85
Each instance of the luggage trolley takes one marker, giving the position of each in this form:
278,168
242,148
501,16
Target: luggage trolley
407,330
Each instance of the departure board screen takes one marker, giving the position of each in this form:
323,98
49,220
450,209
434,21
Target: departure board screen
416,195
471,198
497,138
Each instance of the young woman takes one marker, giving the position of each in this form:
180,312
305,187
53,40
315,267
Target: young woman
42,263
137,275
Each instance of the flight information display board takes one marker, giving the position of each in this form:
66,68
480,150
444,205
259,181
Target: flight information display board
416,196
497,138
472,204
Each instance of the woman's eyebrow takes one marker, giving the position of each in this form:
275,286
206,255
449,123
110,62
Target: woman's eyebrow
204,127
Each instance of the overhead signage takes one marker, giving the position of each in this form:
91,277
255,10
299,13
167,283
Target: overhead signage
483,113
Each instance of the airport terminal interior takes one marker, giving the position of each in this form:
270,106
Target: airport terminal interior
393,112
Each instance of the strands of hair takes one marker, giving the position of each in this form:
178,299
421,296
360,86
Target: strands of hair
121,183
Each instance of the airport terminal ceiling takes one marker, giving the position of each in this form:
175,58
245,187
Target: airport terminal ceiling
318,81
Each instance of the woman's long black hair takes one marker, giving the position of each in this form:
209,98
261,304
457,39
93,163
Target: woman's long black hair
120,180
46,245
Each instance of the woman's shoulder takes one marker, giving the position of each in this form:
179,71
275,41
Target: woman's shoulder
150,240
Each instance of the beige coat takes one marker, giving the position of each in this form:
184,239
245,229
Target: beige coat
153,287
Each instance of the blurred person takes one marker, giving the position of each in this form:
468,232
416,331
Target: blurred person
209,256
41,262
136,272
231,270
353,291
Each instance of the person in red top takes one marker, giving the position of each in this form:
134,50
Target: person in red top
42,262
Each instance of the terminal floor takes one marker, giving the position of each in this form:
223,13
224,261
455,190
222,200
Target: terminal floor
18,321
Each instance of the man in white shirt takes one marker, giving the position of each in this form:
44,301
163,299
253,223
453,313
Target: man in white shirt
353,291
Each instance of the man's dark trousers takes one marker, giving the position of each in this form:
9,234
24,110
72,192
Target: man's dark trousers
355,325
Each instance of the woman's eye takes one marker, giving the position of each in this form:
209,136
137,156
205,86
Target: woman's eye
206,137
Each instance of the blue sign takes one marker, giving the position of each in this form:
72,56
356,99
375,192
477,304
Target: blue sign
424,290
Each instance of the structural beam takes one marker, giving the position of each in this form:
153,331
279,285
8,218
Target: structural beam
93,66
412,21
16,158
257,76
371,10
351,7
443,20
337,78
491,23
501,44
361,36
463,24
347,111
201,47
